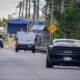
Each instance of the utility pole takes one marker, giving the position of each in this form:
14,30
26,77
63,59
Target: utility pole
52,17
52,12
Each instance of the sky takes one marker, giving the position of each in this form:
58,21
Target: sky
7,7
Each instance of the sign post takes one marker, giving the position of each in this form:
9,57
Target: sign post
52,17
52,28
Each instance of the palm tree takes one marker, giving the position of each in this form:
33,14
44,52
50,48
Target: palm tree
26,10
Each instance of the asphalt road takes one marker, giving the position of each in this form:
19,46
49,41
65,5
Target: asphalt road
25,65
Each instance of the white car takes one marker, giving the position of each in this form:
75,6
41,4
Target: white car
25,41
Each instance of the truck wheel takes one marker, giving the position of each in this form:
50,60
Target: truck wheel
16,50
1,46
48,63
33,50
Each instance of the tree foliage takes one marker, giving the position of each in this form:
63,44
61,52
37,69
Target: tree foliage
68,21
3,22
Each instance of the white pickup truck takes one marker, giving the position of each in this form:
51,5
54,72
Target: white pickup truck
25,41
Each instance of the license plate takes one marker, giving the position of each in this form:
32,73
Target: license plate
67,58
29,46
66,51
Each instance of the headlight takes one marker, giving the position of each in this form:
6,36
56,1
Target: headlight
51,46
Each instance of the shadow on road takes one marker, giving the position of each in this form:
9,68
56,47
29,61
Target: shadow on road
66,67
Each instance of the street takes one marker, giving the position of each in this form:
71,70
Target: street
26,65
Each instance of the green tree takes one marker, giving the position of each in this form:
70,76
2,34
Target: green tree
68,20
3,22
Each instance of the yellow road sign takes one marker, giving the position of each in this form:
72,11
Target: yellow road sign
52,28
